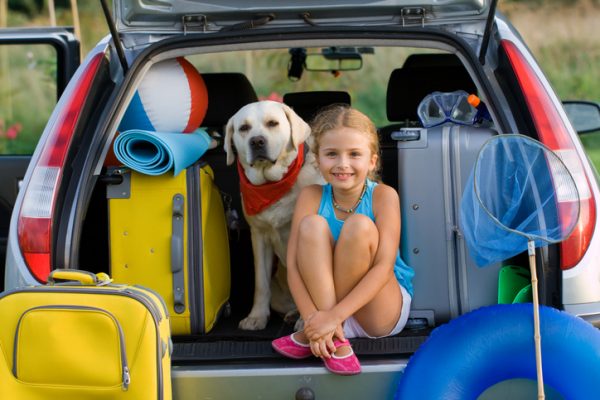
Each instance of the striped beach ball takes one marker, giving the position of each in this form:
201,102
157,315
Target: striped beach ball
172,97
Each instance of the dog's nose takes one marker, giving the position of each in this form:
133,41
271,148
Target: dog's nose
258,142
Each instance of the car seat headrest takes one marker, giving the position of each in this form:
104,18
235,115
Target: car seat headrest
227,93
420,75
307,104
431,60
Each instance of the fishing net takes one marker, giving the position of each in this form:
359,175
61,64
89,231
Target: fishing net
519,196
518,191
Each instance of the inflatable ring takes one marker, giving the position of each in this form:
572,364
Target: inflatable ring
463,358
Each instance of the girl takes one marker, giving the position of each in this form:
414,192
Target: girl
344,268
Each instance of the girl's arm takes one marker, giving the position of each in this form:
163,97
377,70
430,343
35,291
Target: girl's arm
386,208
306,204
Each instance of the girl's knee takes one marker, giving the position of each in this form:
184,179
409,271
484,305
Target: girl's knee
359,226
312,226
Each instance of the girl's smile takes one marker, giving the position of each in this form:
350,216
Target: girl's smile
342,176
345,160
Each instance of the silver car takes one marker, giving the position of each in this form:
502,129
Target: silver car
382,57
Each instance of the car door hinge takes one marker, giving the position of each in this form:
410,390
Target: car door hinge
410,15
194,22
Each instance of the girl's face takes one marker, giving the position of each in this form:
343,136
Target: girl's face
345,157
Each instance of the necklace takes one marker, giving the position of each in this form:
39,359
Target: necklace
353,208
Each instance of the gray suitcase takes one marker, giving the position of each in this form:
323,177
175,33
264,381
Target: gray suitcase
433,167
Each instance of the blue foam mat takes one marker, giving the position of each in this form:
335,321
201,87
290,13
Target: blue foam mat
155,153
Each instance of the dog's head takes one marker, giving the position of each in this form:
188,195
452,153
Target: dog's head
266,136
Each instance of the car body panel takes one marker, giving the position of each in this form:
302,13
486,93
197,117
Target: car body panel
13,166
580,284
17,274
378,380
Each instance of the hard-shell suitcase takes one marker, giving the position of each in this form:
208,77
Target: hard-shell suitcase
433,167
84,339
169,233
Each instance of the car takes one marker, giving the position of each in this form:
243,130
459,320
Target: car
384,58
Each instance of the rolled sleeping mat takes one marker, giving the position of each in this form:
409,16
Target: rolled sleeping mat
155,153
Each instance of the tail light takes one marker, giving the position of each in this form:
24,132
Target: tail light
36,214
554,133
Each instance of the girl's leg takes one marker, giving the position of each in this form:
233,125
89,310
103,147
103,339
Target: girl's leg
353,257
315,262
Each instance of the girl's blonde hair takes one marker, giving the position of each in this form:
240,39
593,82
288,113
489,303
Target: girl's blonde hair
341,115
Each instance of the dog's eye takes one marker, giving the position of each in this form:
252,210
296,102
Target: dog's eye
272,123
245,127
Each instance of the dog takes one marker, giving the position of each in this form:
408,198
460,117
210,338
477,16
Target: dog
270,140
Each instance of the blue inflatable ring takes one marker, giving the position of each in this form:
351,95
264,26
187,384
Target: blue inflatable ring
463,358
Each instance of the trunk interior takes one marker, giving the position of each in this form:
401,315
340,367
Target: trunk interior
446,282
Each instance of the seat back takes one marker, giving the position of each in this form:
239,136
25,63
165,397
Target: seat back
308,104
227,93
420,75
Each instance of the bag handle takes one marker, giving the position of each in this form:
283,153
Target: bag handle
177,253
85,278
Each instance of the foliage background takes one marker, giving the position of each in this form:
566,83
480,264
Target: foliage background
564,36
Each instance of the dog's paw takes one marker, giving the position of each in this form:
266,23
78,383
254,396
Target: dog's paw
291,317
253,323
299,325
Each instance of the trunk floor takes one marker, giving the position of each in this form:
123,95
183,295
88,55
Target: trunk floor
227,342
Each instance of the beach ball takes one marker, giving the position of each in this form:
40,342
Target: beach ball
172,97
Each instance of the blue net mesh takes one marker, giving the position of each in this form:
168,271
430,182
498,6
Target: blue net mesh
518,191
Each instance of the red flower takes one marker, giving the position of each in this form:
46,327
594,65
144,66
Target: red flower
13,131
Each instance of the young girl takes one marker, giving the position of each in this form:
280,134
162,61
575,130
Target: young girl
344,267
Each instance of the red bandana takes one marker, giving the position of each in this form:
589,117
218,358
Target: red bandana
258,197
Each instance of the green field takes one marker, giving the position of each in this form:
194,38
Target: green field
563,35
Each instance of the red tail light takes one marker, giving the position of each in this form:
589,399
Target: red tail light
36,214
555,134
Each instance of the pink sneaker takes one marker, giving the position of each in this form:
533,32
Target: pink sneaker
290,347
344,365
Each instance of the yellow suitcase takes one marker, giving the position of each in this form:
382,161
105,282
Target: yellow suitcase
169,233
84,339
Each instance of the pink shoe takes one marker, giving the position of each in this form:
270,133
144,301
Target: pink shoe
344,365
290,347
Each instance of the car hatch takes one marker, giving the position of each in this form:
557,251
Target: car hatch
174,17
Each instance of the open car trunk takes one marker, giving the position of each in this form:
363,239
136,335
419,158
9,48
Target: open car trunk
428,167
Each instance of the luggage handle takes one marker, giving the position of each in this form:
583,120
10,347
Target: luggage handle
84,278
177,254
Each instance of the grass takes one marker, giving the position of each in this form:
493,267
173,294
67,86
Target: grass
591,141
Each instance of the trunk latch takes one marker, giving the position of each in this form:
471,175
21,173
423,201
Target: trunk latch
410,15
195,22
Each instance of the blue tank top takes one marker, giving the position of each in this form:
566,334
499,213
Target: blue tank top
403,272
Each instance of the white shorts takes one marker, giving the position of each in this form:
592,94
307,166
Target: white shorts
353,329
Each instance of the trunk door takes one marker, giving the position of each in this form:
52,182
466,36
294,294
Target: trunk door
180,16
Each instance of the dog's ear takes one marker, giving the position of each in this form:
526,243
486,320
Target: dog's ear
227,142
300,129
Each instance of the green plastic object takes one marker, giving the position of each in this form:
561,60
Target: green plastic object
524,295
514,285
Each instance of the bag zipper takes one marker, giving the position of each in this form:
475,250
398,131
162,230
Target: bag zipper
195,250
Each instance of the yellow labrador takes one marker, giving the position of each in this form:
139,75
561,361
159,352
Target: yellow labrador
268,137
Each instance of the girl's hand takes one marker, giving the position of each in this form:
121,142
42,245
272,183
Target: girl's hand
320,324
323,347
